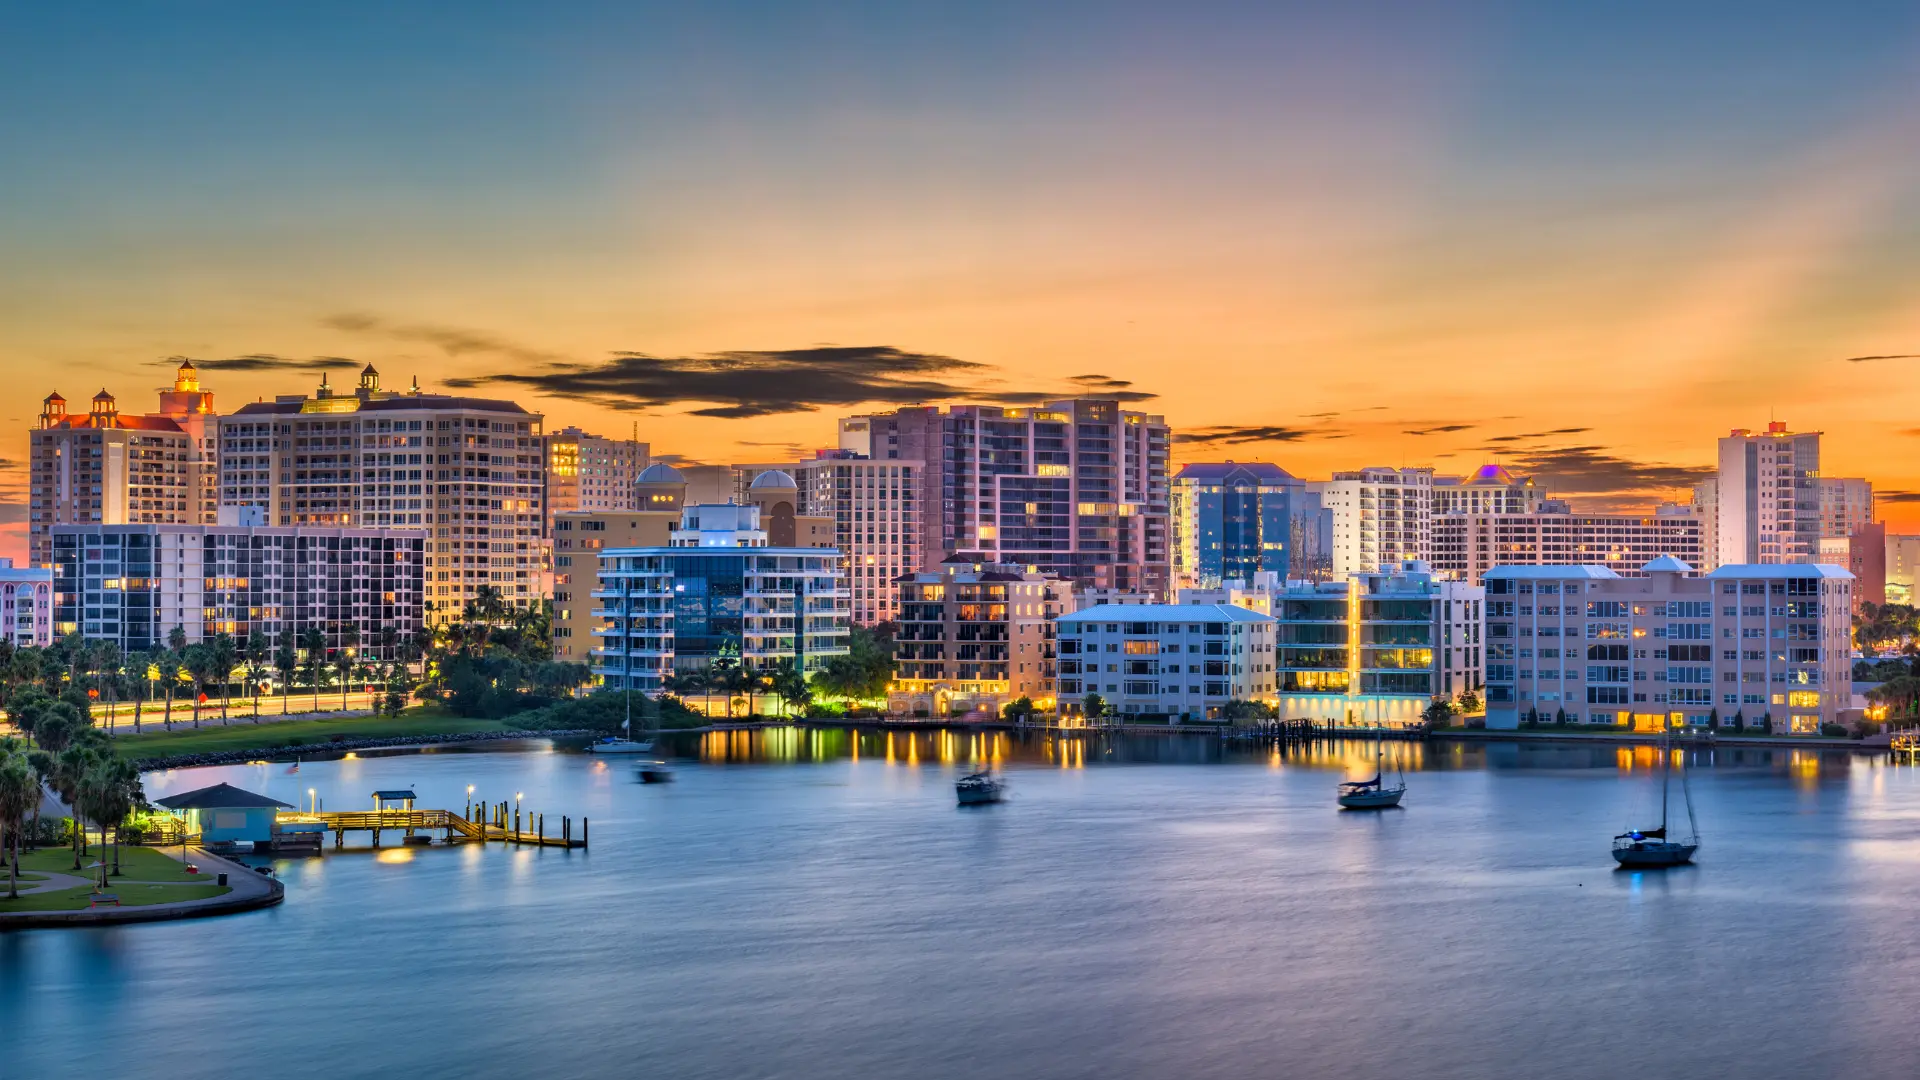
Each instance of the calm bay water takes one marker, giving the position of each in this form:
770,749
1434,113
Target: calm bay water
806,904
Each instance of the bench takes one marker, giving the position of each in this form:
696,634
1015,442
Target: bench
104,898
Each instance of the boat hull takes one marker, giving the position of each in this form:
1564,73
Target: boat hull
1372,800
621,746
656,773
1653,855
980,795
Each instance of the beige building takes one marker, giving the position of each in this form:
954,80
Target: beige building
468,470
592,472
1490,489
1846,505
577,539
876,519
1466,546
972,637
112,468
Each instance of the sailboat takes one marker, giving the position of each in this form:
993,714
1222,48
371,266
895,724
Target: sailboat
1373,794
626,744
981,787
1646,849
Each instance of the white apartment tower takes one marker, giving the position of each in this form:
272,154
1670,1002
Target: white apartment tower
592,472
1381,517
1768,496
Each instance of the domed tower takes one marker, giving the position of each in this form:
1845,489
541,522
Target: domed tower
186,398
53,410
104,410
660,487
369,381
777,495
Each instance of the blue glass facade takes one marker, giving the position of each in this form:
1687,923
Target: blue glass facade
1238,520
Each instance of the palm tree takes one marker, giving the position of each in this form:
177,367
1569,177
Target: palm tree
1903,690
138,666
225,654
314,643
286,662
200,664
19,795
167,664
69,767
108,661
344,661
255,653
108,792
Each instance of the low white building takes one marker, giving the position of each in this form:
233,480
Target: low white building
26,604
1165,660
1747,646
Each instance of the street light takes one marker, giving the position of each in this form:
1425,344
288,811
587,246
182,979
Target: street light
314,800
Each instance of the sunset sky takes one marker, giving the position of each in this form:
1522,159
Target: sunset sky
1579,239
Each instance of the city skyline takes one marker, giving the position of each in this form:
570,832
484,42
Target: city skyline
1416,240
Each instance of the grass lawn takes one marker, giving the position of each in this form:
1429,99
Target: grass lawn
246,735
78,899
136,864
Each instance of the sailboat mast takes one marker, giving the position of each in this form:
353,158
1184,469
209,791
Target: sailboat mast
1666,774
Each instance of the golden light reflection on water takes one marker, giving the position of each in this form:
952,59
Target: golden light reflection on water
395,855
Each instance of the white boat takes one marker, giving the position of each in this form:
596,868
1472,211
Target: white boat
1652,849
980,788
1373,794
611,745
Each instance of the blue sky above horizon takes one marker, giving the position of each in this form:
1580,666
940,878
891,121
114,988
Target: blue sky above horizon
1580,238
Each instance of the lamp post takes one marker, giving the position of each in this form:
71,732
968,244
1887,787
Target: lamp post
469,802
313,801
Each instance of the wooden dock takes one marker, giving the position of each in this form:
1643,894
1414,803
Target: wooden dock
494,824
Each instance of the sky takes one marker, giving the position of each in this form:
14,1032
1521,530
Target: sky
1580,240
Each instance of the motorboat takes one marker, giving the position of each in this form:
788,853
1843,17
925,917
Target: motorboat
980,788
655,772
1373,794
1653,849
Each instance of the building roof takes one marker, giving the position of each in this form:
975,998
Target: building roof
1166,613
397,793
1782,570
391,403
1554,571
120,421
1209,470
219,797
661,473
1666,564
773,478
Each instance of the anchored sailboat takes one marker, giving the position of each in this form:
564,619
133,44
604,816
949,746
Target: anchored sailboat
1374,794
1644,849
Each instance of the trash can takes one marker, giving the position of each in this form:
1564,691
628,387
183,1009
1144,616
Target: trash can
223,879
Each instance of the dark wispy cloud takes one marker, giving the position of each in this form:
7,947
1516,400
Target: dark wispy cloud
262,362
1241,434
1439,430
1583,470
1529,436
1887,356
1902,497
453,340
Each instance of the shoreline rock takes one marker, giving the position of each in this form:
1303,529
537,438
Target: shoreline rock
322,749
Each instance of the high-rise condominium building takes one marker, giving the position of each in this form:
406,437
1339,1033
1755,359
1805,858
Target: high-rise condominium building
1746,646
113,468
1381,517
467,470
1706,506
1074,488
1490,489
1233,520
592,472
971,638
578,538
132,584
1466,546
1846,505
876,511
1768,495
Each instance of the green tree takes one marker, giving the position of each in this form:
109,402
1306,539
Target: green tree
256,653
1093,707
200,664
786,682
344,660
285,661
314,644
1438,713
168,663
1020,710
1470,702
224,654
19,796
139,682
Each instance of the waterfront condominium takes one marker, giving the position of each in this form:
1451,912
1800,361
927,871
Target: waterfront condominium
1234,520
1748,646
1490,489
716,590
112,468
1381,517
26,604
1768,497
1376,648
1165,660
591,472
132,584
1074,488
972,637
467,470
1466,546
875,510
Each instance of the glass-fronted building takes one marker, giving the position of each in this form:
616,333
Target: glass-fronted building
1233,521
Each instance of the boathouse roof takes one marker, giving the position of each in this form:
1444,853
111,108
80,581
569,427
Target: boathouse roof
218,797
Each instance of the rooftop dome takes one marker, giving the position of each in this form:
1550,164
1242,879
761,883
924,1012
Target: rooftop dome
1667,564
773,478
103,395
661,473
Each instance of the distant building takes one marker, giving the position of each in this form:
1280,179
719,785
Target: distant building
26,604
972,637
1466,546
591,472
1490,489
1165,660
132,584
578,538
1235,520
1377,648
469,471
114,468
1769,500
1075,488
877,523
1903,568
1381,517
1706,507
1846,505
1864,555
1741,645
717,590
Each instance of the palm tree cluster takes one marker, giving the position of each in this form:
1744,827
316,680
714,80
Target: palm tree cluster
728,679
865,672
496,659
72,758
